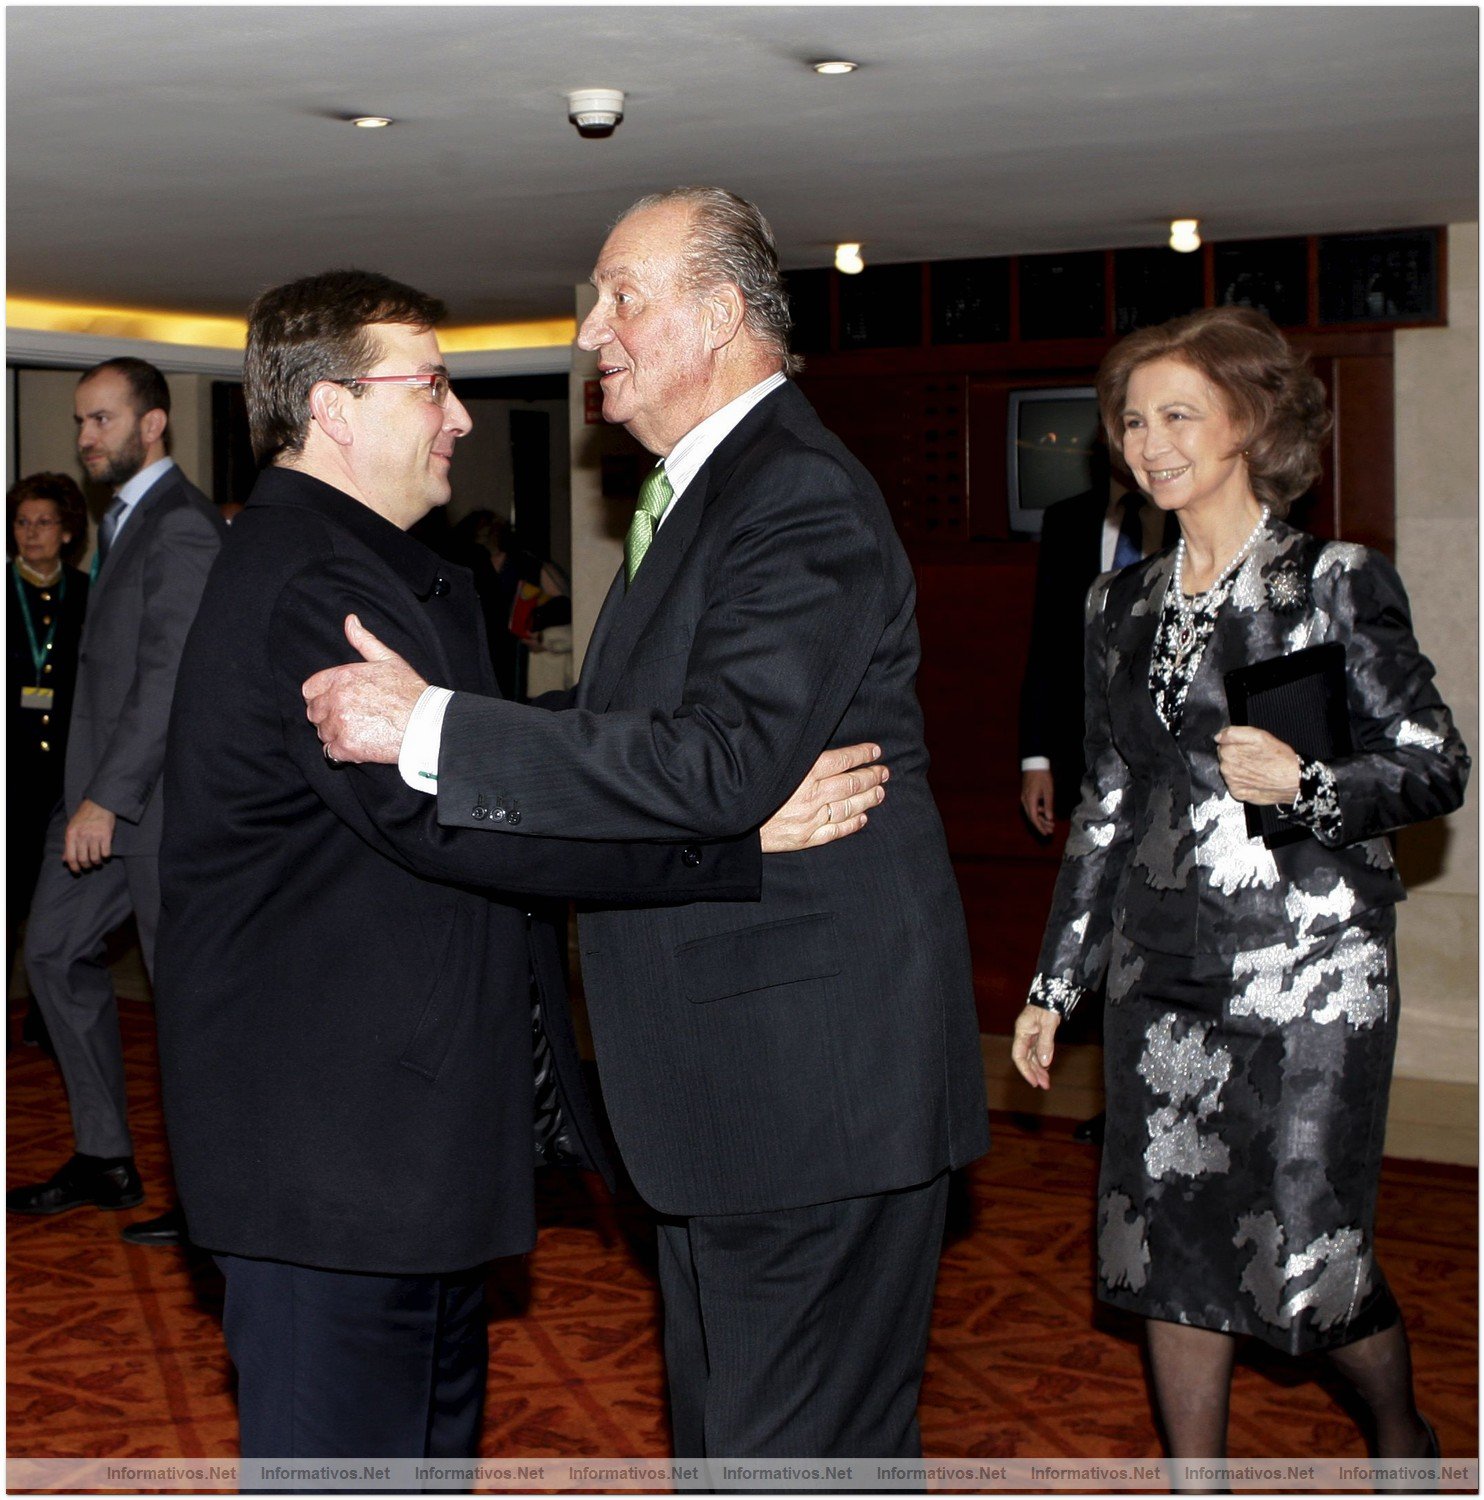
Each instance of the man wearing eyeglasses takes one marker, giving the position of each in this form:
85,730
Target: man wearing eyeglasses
789,1082
364,1045
156,544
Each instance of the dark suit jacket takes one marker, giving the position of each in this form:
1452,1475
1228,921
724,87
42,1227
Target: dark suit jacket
1051,706
345,1022
139,609
1069,558
1159,850
823,1044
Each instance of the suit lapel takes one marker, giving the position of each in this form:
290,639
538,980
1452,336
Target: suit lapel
592,663
627,611
134,525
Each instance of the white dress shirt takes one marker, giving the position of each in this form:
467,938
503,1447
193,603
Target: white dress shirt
418,760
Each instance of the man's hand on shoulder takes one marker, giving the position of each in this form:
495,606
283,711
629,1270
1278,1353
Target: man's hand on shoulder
361,709
88,840
830,802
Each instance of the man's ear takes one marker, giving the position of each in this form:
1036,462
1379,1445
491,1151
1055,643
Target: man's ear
725,308
328,404
152,426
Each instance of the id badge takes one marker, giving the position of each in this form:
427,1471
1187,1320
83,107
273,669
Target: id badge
39,698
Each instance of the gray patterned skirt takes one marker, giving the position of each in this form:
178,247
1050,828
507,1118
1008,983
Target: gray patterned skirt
1246,1114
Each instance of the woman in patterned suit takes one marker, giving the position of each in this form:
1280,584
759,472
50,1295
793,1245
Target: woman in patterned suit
1251,991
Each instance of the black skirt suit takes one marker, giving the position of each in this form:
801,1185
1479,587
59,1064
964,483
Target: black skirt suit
1251,992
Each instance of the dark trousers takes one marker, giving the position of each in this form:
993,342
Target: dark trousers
70,917
801,1333
336,1364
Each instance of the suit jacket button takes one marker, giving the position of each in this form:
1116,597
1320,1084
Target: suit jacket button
481,812
498,815
689,856
512,817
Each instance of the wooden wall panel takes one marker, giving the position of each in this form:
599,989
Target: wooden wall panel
974,619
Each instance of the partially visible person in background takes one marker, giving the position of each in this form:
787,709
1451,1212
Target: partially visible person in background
547,634
1252,992
523,598
156,544
1103,529
48,598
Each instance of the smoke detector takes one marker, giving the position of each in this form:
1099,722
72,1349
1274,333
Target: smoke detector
595,112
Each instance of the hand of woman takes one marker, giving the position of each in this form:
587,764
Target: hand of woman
1257,766
1032,1048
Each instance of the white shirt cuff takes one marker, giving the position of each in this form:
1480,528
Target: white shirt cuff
418,759
1035,763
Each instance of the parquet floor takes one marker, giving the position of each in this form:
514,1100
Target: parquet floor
115,1350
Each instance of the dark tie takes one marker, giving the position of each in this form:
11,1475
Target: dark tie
108,528
654,498
1130,546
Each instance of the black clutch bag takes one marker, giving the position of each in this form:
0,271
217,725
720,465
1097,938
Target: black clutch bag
1299,699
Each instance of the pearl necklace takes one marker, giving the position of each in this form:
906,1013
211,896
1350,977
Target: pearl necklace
1210,601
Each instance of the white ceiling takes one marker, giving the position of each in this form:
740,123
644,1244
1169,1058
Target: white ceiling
185,157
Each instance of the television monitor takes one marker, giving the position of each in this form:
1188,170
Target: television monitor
1055,449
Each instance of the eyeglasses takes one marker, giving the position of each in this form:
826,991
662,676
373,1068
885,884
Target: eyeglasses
25,523
437,386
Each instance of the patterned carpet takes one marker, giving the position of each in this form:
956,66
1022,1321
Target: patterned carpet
115,1350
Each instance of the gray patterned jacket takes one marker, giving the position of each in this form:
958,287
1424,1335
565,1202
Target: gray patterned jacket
1158,849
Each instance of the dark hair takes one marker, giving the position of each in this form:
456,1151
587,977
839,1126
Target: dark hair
62,491
1264,381
313,330
730,240
147,387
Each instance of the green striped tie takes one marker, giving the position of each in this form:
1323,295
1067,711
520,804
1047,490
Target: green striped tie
654,496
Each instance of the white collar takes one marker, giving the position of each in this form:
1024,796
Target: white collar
686,459
132,491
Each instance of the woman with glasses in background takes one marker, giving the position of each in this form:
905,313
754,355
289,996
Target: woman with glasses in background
48,526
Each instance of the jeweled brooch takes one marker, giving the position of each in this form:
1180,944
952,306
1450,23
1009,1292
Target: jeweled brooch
1288,590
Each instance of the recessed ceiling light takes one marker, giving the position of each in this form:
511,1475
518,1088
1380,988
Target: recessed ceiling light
848,258
833,67
1185,234
370,122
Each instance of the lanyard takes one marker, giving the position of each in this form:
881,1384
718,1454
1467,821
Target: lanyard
38,650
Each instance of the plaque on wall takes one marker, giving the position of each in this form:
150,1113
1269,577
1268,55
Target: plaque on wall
1379,278
1061,296
971,301
809,303
881,307
1153,285
1270,275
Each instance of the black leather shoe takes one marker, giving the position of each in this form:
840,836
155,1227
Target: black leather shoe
168,1229
1090,1132
84,1181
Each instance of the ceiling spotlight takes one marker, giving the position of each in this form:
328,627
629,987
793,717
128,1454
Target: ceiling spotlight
370,122
848,259
833,67
1185,234
595,112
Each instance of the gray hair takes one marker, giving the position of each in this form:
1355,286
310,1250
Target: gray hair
730,240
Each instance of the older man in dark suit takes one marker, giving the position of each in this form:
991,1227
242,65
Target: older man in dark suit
156,544
347,1025
789,1082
